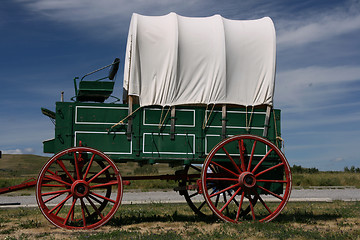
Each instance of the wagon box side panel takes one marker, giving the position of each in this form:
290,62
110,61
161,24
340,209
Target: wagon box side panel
176,144
92,125
238,121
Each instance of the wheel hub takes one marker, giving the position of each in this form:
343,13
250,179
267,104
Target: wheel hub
80,189
247,179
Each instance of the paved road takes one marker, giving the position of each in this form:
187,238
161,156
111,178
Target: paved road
325,195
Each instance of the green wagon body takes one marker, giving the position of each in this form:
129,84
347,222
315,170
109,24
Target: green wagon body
151,138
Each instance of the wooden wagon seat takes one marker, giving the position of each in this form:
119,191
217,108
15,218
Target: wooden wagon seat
97,91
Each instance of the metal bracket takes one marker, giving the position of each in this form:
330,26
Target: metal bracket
266,123
199,182
129,127
172,127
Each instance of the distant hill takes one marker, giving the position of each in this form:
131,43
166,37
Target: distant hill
16,165
28,165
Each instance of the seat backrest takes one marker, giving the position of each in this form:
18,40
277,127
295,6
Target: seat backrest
97,90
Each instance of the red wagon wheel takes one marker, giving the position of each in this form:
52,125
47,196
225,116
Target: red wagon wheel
246,169
79,188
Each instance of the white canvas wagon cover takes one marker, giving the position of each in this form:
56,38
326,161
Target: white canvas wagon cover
175,60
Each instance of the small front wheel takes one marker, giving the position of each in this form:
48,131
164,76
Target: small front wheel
79,188
246,169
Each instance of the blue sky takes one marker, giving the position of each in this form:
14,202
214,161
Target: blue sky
45,43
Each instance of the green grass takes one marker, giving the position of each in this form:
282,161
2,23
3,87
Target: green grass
326,179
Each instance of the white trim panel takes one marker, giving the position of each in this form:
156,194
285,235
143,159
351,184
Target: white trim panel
167,134
235,127
167,125
102,123
117,133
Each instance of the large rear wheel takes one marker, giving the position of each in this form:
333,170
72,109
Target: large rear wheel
79,188
246,169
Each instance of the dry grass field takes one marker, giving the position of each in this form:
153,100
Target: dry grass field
336,220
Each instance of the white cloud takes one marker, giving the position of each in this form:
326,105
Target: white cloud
318,31
313,87
316,27
106,16
339,159
28,150
19,151
13,151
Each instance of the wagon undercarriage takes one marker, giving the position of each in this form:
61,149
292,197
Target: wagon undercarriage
236,188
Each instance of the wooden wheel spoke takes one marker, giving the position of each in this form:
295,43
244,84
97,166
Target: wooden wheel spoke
269,169
201,205
76,160
52,198
222,179
242,159
83,207
230,199
59,205
262,201
224,168
251,156
264,204
56,192
240,204
114,182
193,195
270,192
105,198
99,173
234,200
51,172
196,168
227,209
62,165
252,209
57,179
217,200
232,160
71,211
225,189
89,166
213,169
262,160
95,208
96,199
